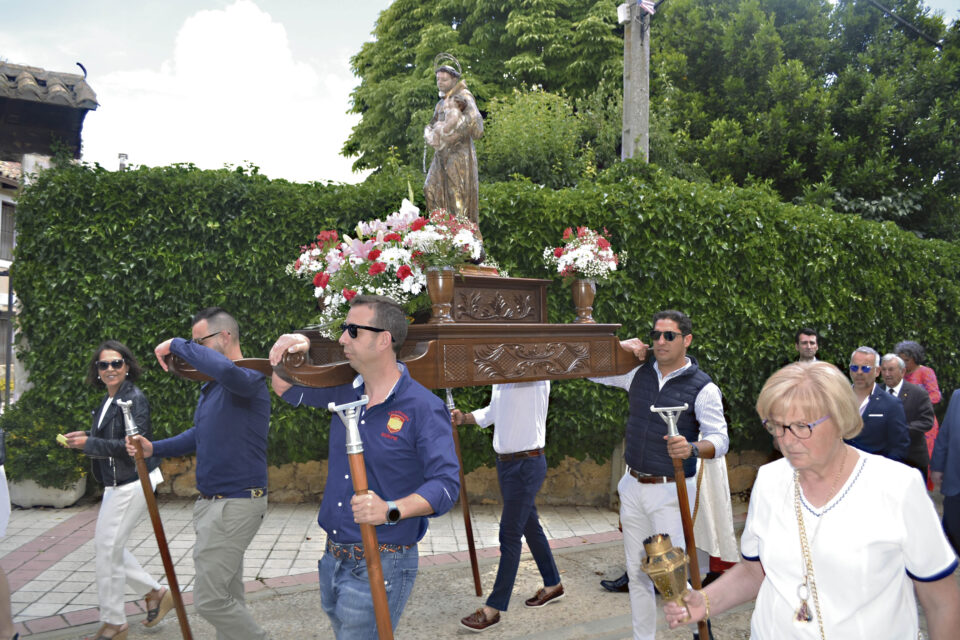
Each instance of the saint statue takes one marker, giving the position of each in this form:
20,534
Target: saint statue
452,180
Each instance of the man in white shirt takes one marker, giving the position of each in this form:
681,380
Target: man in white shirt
519,411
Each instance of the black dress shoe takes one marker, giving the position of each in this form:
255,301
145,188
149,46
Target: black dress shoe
620,585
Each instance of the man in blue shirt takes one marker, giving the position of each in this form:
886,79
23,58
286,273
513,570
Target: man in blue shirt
884,430
945,469
412,468
229,436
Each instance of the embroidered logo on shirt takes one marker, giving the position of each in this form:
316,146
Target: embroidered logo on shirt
396,421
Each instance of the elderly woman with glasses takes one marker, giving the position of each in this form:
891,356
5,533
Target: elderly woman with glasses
913,355
114,368
837,541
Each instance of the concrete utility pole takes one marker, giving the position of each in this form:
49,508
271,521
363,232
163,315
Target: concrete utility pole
636,81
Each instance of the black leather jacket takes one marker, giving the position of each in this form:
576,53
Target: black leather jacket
106,445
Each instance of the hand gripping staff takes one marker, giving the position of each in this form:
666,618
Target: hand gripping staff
471,546
669,415
131,430
368,533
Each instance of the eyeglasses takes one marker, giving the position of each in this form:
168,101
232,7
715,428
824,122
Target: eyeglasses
801,430
201,340
103,365
352,329
669,336
863,367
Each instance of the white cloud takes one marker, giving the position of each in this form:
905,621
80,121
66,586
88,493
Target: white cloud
230,92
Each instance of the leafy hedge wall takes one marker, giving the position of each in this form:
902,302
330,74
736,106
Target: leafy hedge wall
132,255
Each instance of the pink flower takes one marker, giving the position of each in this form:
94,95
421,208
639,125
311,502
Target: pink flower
404,272
376,268
603,243
321,279
558,252
349,294
567,233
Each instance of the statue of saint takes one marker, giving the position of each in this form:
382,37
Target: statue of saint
452,181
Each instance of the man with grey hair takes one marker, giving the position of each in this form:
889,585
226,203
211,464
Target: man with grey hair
916,406
884,423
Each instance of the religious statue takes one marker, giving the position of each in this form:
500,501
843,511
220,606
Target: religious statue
452,180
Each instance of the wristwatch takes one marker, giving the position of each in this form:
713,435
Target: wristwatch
393,513
694,450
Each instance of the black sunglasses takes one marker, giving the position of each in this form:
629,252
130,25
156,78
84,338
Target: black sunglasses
669,336
103,365
352,329
200,341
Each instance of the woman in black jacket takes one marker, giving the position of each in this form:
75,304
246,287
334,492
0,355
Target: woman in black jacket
114,368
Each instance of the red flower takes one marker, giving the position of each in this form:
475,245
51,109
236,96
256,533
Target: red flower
374,254
418,224
404,272
296,265
558,252
377,268
567,233
349,294
392,237
582,231
321,279
603,243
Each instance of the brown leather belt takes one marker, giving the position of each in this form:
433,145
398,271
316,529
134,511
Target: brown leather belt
532,453
643,478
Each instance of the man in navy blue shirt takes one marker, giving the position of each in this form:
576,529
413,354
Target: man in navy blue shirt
229,436
885,431
412,468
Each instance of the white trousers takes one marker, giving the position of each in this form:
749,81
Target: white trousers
645,510
122,508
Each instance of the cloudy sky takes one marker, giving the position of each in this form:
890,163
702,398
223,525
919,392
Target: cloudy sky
212,82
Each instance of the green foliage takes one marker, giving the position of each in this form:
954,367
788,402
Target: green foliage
131,255
32,425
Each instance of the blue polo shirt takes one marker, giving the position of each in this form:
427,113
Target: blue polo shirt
230,424
407,447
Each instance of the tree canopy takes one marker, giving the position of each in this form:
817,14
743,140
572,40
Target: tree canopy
837,105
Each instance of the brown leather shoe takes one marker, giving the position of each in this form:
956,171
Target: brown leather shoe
478,621
543,597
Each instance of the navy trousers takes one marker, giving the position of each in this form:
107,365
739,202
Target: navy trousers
520,480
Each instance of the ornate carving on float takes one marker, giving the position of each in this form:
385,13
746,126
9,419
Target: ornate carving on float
485,305
495,361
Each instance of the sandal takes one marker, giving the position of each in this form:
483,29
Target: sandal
155,615
119,635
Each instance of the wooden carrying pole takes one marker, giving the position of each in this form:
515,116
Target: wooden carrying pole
131,430
467,523
669,414
368,533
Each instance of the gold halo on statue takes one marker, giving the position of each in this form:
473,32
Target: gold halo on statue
447,62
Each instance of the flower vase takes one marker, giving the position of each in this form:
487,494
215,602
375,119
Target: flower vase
584,292
440,290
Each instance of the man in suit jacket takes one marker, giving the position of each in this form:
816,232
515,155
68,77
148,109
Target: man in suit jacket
916,406
884,423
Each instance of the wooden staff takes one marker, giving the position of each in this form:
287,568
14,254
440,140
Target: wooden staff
131,430
368,533
467,524
669,415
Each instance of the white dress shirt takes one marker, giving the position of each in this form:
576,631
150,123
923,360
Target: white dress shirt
519,409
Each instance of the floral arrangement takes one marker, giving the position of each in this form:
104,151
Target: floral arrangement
584,254
387,257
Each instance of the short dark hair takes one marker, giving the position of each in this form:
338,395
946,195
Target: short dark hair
93,374
387,314
686,327
806,331
218,320
913,349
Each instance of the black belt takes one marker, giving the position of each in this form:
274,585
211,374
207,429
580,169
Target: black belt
354,551
531,453
643,478
252,492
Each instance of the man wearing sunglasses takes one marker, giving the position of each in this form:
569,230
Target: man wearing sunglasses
648,495
412,467
885,430
229,436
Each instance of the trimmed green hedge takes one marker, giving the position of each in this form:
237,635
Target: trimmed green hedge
131,255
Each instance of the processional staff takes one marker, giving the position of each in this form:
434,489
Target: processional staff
131,430
669,415
467,524
368,533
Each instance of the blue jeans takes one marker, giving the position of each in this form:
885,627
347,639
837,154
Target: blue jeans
345,591
520,480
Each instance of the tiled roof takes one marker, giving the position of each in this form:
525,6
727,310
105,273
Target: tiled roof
49,87
10,173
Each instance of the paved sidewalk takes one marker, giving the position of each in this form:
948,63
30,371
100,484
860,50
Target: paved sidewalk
48,554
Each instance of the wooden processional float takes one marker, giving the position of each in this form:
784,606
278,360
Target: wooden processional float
491,330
